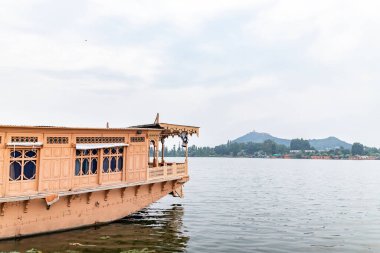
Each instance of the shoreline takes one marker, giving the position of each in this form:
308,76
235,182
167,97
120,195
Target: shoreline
293,158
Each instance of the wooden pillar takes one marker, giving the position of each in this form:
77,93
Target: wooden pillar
155,159
124,172
6,163
100,166
39,165
154,155
149,152
162,151
73,156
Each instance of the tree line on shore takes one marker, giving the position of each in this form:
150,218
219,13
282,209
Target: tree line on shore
299,148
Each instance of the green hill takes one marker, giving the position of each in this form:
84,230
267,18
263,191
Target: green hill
318,144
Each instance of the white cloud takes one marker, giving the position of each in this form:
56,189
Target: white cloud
186,15
328,31
294,68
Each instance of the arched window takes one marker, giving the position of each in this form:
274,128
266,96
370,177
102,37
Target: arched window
113,160
106,164
86,162
23,164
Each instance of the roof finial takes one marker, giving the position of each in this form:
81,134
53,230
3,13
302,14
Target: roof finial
157,120
108,125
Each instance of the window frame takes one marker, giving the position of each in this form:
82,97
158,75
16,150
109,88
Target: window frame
117,155
23,160
100,156
90,157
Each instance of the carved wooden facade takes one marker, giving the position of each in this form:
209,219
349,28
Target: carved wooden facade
82,171
56,158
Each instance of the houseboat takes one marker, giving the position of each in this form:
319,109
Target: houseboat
59,178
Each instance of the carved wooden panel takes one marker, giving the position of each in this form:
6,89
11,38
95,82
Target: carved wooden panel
112,177
22,187
1,165
137,161
24,139
57,140
2,139
56,152
45,171
47,152
56,168
65,168
100,140
85,181
137,139
14,187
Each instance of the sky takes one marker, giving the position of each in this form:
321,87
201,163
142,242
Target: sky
292,68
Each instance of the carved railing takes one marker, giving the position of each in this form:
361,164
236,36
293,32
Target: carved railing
156,172
181,169
168,170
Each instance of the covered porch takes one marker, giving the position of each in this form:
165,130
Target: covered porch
158,166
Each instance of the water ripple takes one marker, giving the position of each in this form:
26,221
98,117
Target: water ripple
247,205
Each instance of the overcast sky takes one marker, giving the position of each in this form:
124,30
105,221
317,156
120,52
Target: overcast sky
292,68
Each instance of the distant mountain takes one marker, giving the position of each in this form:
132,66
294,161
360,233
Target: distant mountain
329,143
260,138
319,144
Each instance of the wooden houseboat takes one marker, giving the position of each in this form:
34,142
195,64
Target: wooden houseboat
59,178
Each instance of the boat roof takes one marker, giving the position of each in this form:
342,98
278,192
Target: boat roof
164,128
168,129
74,128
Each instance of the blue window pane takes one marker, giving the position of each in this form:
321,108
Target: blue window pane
29,170
85,152
94,166
120,164
106,151
113,151
15,171
77,167
30,153
78,152
94,151
106,165
121,150
113,164
15,154
85,167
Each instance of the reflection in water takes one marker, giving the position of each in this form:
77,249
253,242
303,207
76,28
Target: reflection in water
152,229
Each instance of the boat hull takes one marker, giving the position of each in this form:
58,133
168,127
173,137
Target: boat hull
26,218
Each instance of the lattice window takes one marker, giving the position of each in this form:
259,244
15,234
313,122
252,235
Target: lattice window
57,140
23,164
113,159
24,139
137,139
86,162
100,140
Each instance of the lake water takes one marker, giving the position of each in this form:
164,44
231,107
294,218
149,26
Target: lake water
245,205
